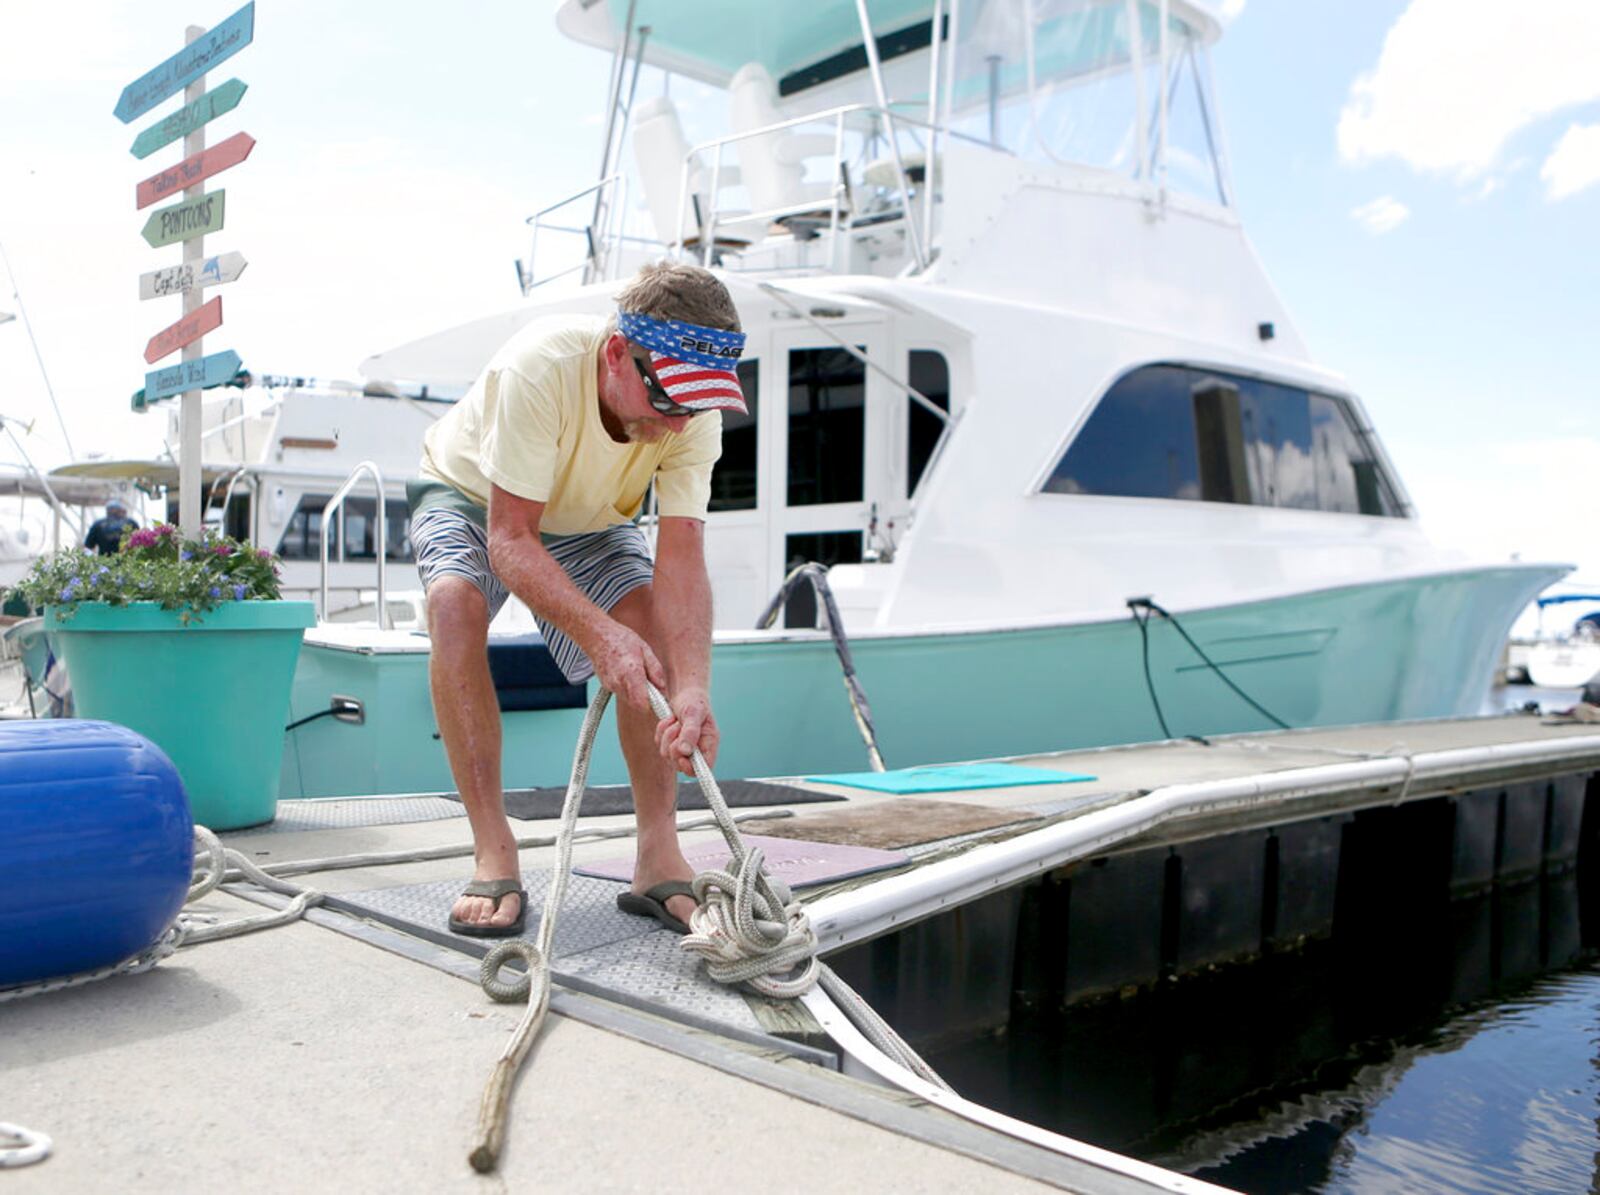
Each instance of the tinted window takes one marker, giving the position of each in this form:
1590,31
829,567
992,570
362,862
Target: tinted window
929,374
1347,472
1275,422
827,426
1168,431
303,538
1139,442
733,478
826,548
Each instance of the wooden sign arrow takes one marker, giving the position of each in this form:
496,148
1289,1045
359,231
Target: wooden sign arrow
200,374
189,118
174,280
191,218
203,319
194,169
210,50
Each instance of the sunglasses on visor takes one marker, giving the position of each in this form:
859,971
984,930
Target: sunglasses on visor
656,394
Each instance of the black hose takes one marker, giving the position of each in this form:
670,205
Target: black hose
1149,606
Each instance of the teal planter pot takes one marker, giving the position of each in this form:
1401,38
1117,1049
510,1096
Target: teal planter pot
212,693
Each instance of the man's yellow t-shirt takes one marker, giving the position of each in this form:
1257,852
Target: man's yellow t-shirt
531,425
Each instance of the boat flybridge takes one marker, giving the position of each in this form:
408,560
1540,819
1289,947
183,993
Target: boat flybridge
1016,377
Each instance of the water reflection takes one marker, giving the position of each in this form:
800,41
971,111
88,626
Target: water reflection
1429,1047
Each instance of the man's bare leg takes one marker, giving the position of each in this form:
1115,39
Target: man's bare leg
468,714
654,781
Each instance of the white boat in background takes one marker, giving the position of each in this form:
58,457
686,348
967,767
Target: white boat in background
1016,376
1570,658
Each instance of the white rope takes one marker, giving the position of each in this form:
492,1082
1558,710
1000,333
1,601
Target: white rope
748,927
21,1147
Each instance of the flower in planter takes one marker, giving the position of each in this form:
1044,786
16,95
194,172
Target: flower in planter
156,564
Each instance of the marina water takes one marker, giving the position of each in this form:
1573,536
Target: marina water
1430,1045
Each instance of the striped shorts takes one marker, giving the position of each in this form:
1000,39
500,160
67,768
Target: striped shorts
606,566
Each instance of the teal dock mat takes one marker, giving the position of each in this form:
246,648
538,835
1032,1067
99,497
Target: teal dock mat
954,778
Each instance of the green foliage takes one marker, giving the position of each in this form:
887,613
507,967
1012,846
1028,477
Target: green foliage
155,565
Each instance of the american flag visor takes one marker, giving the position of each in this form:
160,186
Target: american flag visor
697,366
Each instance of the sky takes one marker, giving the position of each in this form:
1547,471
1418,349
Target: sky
1421,179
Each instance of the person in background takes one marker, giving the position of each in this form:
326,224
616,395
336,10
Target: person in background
105,535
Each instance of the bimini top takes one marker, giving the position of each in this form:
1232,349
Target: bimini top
799,44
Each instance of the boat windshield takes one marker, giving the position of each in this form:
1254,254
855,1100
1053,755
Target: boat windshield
1069,81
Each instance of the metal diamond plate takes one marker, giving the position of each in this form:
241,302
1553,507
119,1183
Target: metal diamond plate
653,972
296,815
599,948
589,914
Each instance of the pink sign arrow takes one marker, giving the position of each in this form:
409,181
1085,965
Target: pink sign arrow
189,329
195,169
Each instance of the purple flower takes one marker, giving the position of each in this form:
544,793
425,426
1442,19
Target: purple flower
166,530
223,550
263,554
186,555
143,538
238,593
215,592
66,594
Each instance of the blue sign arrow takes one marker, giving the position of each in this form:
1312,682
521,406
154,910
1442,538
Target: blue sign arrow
200,374
188,64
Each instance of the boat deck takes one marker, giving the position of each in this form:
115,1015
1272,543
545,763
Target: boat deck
348,1052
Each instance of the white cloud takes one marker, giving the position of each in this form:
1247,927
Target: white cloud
1477,498
1456,79
1574,163
1384,214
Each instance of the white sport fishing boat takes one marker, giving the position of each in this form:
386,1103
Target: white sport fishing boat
1016,377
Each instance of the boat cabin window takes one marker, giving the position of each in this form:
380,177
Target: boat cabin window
827,426
302,540
1172,431
733,477
929,374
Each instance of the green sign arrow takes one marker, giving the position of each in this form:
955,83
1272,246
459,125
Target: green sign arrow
189,118
191,218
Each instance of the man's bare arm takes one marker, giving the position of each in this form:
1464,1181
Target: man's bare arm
683,622
621,659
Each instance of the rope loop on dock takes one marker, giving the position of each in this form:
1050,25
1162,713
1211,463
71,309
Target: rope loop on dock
21,1147
512,991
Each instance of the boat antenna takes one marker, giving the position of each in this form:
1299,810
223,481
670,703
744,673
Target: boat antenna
22,311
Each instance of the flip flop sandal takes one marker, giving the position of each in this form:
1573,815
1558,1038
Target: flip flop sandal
653,903
495,890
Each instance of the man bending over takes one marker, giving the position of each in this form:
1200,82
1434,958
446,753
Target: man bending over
531,485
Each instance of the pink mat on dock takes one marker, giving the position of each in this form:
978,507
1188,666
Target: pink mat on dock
797,862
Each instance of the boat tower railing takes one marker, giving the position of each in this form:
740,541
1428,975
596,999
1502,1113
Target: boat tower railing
381,547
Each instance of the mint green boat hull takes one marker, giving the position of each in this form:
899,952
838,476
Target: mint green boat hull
1393,651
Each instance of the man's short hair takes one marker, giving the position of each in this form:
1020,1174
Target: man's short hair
115,504
674,290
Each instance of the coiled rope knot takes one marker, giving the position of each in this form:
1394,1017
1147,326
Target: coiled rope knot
512,991
750,929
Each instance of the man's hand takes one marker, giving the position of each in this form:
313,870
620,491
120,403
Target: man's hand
624,662
690,726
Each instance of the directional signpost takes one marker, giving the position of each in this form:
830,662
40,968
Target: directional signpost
195,169
181,221
187,222
188,65
174,280
188,118
199,374
185,332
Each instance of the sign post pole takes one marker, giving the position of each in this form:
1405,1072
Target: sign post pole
190,412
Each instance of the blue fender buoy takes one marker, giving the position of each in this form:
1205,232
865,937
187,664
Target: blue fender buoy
96,847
